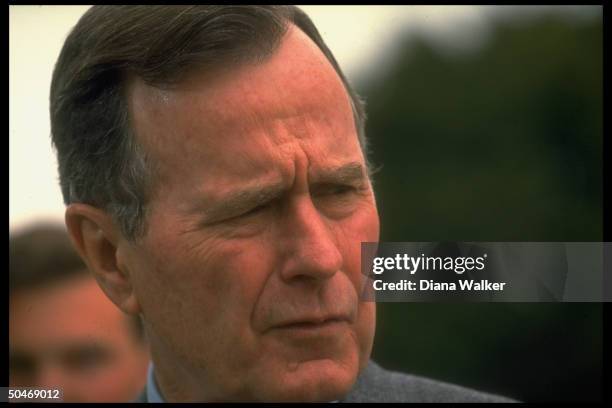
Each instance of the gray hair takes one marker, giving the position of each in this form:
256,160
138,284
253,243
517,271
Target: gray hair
100,161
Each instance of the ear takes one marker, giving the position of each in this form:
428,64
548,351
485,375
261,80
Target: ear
99,241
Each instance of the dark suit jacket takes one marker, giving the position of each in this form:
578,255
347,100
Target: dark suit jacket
375,384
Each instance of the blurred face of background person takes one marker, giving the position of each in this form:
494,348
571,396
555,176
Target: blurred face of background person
248,271
63,331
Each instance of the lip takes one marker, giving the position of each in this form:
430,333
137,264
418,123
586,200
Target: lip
312,325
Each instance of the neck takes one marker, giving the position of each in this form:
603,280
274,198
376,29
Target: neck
175,381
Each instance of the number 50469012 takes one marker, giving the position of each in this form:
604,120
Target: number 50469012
32,394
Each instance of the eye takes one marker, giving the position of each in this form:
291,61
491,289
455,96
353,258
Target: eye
338,200
255,210
343,189
86,358
332,190
22,364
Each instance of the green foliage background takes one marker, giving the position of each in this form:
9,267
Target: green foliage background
499,144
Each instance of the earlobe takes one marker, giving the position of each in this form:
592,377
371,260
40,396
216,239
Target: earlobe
97,239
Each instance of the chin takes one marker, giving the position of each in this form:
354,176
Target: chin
313,381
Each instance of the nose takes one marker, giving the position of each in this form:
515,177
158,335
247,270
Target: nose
310,249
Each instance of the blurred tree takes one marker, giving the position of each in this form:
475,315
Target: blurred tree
500,144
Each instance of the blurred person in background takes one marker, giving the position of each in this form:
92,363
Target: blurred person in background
63,331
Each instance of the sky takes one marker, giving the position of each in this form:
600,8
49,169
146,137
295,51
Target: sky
361,37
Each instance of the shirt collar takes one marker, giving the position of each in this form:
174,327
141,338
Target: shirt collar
153,394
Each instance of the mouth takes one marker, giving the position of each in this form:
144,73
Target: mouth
313,325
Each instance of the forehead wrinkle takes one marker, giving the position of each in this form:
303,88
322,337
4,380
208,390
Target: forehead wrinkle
241,110
258,107
283,81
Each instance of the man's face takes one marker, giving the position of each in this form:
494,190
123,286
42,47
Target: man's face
249,273
70,336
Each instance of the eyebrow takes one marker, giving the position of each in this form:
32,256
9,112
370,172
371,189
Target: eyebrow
346,174
237,202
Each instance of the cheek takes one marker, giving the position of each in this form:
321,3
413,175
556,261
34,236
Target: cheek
361,226
200,288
